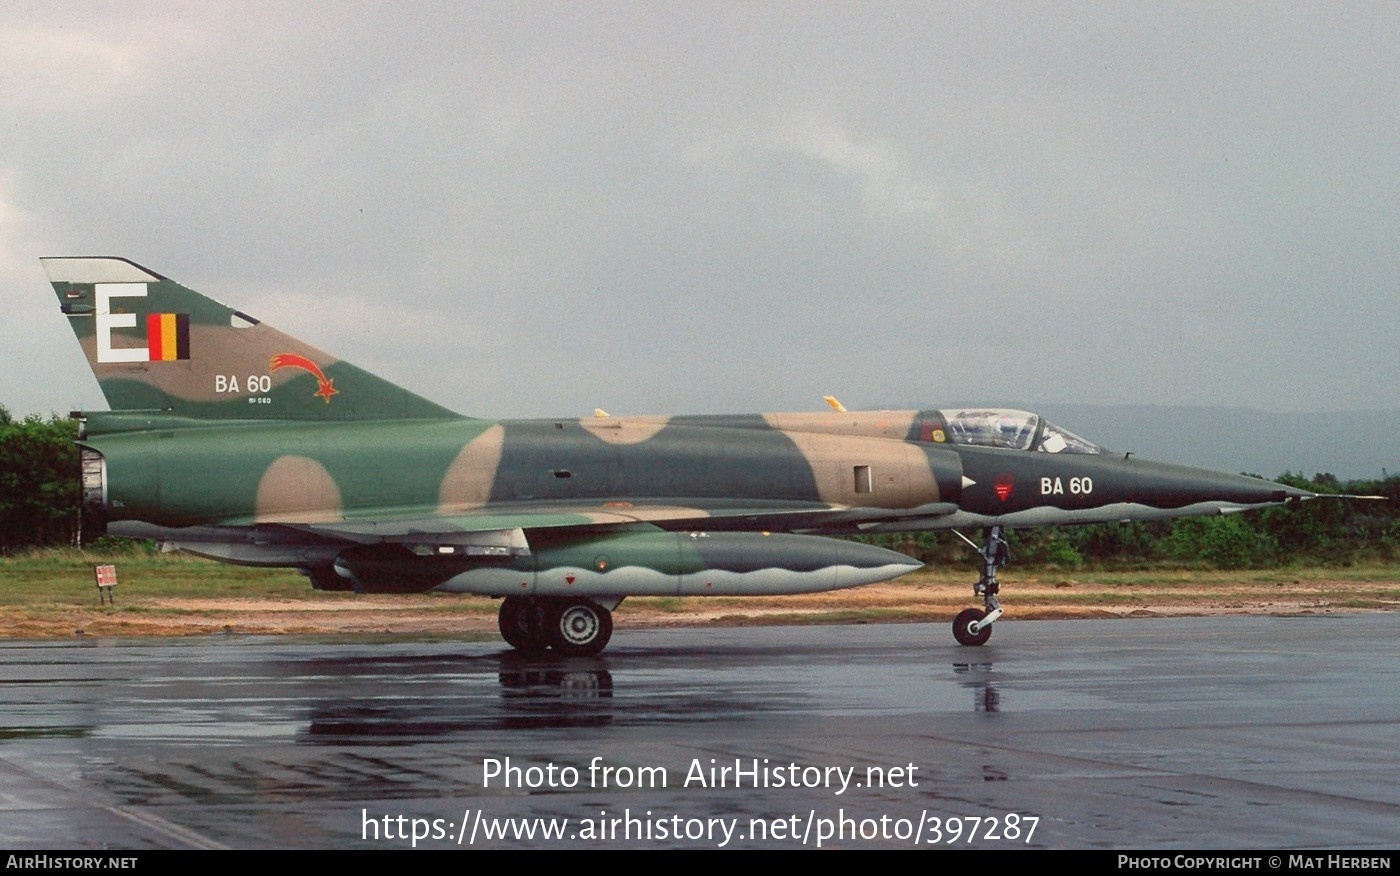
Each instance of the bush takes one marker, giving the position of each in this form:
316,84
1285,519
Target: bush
39,482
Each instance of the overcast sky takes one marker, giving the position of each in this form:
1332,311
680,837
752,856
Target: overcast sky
538,209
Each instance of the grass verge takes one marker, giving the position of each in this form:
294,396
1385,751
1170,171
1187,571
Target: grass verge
53,593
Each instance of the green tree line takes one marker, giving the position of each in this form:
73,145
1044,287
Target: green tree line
1318,532
39,486
40,498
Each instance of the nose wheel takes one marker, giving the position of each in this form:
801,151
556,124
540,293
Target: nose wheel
969,629
973,626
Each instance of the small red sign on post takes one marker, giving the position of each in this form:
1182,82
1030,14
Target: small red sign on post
106,581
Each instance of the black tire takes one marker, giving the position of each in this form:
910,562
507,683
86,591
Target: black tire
965,619
579,628
520,623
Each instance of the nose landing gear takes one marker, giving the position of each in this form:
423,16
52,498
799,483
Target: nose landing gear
974,625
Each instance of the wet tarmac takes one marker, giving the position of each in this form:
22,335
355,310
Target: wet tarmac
1259,733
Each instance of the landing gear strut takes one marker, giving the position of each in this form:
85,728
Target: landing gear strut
573,627
974,625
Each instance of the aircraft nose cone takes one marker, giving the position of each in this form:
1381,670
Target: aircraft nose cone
1181,485
1287,493
1256,491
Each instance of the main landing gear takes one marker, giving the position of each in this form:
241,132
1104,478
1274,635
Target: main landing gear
973,626
573,627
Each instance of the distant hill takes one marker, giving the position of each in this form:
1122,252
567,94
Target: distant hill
1353,445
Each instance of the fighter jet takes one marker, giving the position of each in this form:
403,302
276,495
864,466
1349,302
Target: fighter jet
231,440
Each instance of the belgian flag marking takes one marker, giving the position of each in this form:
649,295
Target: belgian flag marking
168,336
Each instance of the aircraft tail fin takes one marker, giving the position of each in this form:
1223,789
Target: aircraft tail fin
155,345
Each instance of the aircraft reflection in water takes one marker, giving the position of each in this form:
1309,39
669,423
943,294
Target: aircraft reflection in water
534,695
231,440
547,692
986,697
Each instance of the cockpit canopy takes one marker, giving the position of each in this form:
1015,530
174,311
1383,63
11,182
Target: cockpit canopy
1001,427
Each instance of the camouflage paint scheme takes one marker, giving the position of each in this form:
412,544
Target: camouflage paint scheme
232,440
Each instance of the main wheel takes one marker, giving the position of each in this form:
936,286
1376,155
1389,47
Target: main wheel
521,624
962,627
580,628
